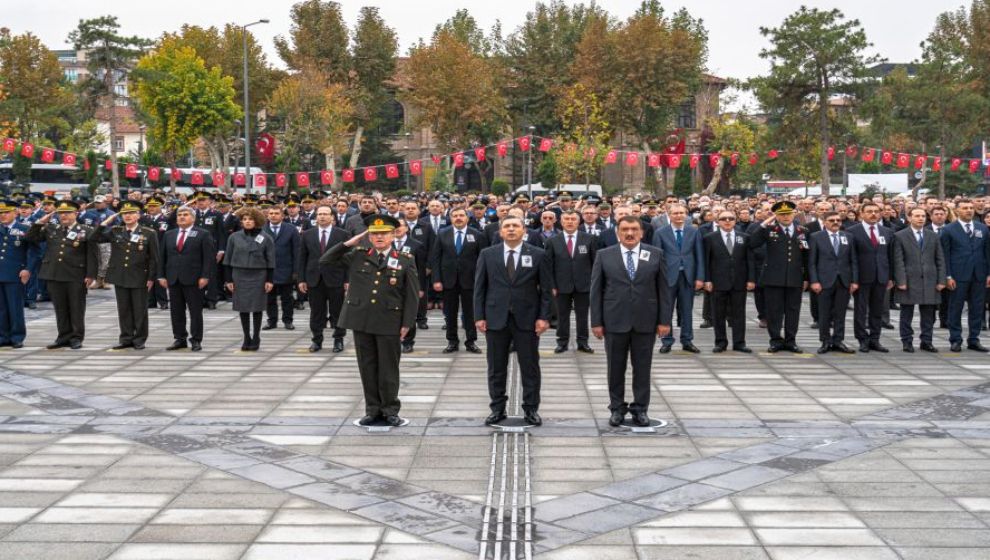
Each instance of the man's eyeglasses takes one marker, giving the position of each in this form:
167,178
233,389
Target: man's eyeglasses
726,219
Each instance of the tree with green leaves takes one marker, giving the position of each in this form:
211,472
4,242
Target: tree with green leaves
318,38
374,53
183,99
34,92
109,57
585,134
814,55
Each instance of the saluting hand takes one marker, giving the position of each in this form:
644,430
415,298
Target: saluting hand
354,240
769,221
44,219
109,220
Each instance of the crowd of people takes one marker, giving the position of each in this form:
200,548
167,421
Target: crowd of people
629,268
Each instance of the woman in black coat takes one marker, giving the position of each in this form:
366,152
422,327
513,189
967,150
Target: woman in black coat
249,264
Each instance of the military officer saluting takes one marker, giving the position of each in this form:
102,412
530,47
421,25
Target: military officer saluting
380,307
132,270
17,259
785,275
69,265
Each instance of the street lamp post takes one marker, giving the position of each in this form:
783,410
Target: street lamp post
247,119
141,153
529,165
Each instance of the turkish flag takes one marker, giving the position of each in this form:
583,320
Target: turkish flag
459,159
302,179
479,153
347,175
416,167
197,178
772,154
974,165
919,161
753,158
886,157
674,161
86,165
108,165
326,177
546,144
524,143
693,161
154,173
831,153
68,159
590,153
27,149
611,157
734,159
370,174
281,180
436,159
851,151
503,149
392,171
632,158
937,165
219,178
9,144
954,166
47,155
260,180
176,174
903,160
713,160
131,171
240,179
653,160
868,154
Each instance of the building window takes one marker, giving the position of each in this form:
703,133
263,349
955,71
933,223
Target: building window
71,74
393,118
686,115
118,144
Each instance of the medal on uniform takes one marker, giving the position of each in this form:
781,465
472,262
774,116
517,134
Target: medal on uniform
71,235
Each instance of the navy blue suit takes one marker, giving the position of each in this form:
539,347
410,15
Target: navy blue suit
287,244
966,258
684,264
16,254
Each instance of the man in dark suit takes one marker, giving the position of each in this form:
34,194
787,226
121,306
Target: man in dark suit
873,244
188,262
939,215
813,223
630,306
834,274
287,242
512,307
404,243
919,274
212,221
729,273
571,255
785,274
453,259
967,254
155,219
323,285
759,261
368,207
684,259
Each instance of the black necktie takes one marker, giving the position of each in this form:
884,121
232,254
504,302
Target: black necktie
381,259
510,265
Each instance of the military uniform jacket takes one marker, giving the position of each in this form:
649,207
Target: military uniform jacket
133,256
72,253
380,299
16,253
786,263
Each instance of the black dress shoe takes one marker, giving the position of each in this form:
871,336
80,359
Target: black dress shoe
472,348
195,346
560,349
665,348
138,346
583,347
314,347
955,347
122,346
338,345
824,348
641,419
32,305
877,347
16,345
451,348
367,420
888,325
178,345
268,327
75,344
978,347
744,349
495,417
895,306
841,347
908,347
56,345
407,348
928,347
718,349
211,305
289,326
423,325
705,325
864,347
690,348
774,348
393,420
793,348
163,306
616,418
533,417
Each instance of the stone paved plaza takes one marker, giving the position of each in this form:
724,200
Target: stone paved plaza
254,455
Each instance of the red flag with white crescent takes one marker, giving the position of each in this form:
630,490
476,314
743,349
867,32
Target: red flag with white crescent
68,159
9,145
416,167
347,175
27,149
154,173
753,158
831,153
392,171
612,156
281,180
219,178
734,159
260,180
694,160
903,160
772,154
673,161
47,155
436,159
240,179
851,151
937,165
974,165
326,177
714,159
131,171
956,162
632,158
868,154
479,153
176,174
503,149
370,174
524,143
197,178
887,157
919,161
302,179
459,159
653,160
546,144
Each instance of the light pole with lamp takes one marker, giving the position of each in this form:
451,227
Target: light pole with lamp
247,119
144,176
529,165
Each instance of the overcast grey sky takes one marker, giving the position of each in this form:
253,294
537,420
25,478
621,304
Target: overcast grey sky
895,27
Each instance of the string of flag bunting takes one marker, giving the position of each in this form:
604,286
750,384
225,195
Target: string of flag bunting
672,157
